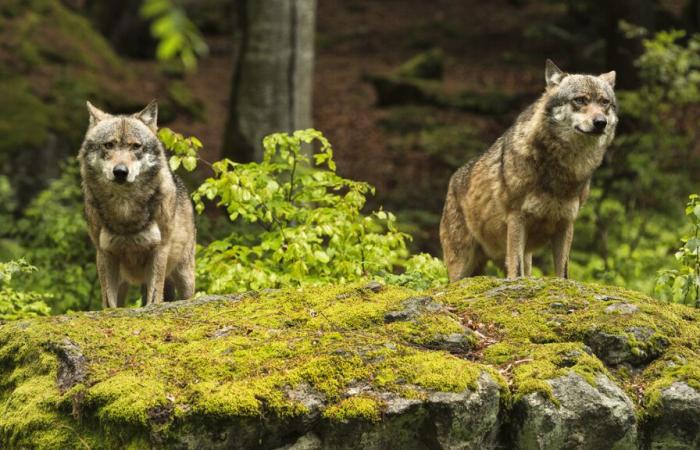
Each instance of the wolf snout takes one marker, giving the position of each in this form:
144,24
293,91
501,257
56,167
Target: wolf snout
120,172
599,124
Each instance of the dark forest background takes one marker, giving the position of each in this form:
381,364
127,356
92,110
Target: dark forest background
405,91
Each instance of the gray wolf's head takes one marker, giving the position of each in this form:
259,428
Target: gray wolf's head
581,106
122,149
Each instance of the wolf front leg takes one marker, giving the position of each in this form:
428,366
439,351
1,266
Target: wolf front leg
528,264
561,246
515,245
155,282
108,272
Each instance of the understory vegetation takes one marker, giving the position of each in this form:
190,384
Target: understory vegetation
295,221
292,220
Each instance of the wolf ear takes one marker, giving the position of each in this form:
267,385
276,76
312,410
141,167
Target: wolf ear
96,114
608,78
149,115
553,74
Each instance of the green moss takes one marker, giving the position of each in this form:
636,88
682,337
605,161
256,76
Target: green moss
235,359
359,407
538,324
428,329
551,361
679,364
127,398
151,371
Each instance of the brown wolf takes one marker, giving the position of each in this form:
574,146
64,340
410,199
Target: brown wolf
527,189
139,214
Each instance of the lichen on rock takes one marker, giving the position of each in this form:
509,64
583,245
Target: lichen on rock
481,363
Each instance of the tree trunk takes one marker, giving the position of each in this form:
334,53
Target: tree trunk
622,52
272,85
691,15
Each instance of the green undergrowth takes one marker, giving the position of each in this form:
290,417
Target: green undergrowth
159,370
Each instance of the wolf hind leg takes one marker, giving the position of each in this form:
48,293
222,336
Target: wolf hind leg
183,279
471,261
169,290
462,253
122,293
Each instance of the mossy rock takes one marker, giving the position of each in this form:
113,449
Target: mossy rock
357,366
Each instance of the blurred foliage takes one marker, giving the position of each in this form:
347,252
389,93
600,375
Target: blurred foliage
682,285
630,226
311,228
291,219
19,304
53,233
51,61
178,38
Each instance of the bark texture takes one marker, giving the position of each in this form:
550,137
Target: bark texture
272,84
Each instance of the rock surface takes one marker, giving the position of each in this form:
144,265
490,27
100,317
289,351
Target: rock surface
480,364
585,416
676,422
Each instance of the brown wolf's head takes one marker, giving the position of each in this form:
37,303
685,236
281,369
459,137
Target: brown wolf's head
122,149
581,106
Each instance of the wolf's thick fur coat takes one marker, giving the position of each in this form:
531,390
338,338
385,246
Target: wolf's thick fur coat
139,214
526,190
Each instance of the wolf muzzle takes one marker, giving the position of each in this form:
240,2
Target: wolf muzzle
599,124
121,172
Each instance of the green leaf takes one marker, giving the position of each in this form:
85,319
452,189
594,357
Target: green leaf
169,46
189,163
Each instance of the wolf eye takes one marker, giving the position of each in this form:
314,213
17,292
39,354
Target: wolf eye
604,102
580,101
136,146
108,145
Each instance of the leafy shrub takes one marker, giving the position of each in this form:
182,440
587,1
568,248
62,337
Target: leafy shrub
298,221
17,304
53,233
683,285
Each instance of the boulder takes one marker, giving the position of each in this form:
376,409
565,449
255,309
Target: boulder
578,415
634,346
482,363
674,423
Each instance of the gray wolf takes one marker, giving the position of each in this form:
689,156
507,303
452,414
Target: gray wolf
139,214
526,190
